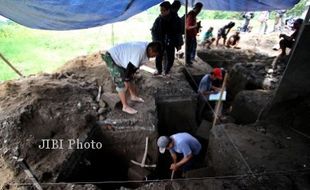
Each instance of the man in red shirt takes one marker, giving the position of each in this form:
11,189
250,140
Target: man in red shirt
192,28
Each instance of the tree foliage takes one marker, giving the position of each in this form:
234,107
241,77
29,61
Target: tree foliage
298,9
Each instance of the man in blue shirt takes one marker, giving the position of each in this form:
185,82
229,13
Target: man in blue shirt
206,86
180,143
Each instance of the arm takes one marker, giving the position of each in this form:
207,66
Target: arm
215,89
289,38
190,22
129,72
227,31
177,165
155,30
178,30
207,93
174,157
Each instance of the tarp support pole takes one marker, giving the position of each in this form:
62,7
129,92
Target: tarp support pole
12,67
185,33
112,34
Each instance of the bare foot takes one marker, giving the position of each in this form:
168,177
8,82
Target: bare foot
136,99
129,110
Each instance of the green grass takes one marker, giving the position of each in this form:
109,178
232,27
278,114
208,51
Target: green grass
33,51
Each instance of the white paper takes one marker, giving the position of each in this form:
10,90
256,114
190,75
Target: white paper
213,97
147,69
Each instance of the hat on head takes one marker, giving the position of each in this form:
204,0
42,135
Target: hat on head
162,143
217,72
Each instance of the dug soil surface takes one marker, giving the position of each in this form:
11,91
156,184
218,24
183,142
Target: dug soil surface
70,103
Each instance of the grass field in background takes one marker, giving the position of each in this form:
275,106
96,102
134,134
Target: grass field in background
33,51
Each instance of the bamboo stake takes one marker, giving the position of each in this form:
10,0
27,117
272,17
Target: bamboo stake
218,105
12,67
172,175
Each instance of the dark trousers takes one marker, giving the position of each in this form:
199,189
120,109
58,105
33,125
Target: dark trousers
191,44
168,57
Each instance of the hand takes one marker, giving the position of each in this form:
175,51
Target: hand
174,167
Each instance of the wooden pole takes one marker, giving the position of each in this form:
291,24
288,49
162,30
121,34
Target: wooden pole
185,33
10,65
112,34
218,105
172,175
29,173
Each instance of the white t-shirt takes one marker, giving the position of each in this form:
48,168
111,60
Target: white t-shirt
133,52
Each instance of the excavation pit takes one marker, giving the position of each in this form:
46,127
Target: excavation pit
110,166
176,112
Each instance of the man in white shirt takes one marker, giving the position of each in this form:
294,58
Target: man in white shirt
122,61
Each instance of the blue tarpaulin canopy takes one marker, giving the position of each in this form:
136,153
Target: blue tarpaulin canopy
244,5
78,14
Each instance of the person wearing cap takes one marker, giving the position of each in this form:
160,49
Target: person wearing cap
180,143
206,86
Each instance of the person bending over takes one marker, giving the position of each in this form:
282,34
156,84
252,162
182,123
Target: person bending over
208,38
233,40
223,32
123,60
182,144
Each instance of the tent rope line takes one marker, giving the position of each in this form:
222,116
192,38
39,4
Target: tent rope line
278,172
240,154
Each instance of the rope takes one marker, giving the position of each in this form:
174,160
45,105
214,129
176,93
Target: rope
179,180
241,156
301,133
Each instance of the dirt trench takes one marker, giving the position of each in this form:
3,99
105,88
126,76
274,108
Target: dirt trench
63,106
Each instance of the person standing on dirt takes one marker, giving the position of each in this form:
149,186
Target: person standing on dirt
192,29
279,20
122,61
263,19
181,145
288,41
247,17
167,29
223,32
